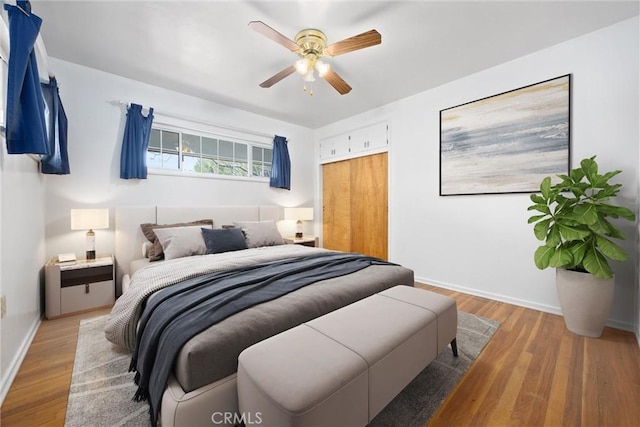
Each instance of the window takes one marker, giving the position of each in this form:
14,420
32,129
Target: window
192,152
261,162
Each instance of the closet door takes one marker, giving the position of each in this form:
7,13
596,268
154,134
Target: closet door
354,205
336,206
369,211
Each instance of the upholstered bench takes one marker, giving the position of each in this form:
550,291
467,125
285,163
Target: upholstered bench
343,368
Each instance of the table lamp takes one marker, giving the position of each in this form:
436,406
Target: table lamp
299,215
90,219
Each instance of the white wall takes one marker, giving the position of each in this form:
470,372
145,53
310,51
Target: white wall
483,244
21,244
95,139
22,258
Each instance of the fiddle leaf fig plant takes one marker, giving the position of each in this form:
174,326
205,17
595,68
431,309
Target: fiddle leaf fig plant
573,221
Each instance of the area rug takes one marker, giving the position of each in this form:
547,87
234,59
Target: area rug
102,387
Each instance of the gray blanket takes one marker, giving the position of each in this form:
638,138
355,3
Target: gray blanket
123,321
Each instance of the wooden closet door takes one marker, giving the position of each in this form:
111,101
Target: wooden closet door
336,206
369,201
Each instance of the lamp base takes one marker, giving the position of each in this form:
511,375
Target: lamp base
299,229
91,245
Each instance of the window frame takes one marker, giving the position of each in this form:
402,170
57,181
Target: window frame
182,126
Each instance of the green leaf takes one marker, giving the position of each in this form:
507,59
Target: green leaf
616,211
607,176
553,238
578,248
577,175
613,231
601,226
540,208
590,169
545,187
562,257
607,192
542,256
578,189
585,213
536,198
597,264
610,249
541,229
572,233
535,218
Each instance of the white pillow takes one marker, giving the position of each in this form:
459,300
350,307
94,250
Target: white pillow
260,233
180,242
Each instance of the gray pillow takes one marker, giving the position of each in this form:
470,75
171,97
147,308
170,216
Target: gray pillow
155,252
223,240
180,242
260,233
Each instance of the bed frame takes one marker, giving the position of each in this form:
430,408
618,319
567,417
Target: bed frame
129,237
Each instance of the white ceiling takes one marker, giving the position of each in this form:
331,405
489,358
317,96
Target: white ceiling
205,49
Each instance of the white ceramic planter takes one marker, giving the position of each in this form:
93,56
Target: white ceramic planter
585,301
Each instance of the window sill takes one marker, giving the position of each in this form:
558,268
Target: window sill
166,172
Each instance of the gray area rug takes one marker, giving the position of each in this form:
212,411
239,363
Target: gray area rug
102,387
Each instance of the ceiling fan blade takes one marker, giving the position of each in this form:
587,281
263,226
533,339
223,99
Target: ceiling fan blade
337,82
370,38
277,77
272,34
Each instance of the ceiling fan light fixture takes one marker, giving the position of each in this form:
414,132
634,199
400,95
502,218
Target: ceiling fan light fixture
308,77
322,67
302,66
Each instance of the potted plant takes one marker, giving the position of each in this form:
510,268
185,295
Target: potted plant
577,233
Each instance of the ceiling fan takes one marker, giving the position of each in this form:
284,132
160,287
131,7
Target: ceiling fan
311,45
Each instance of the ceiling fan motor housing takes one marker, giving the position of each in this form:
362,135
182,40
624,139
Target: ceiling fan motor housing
311,41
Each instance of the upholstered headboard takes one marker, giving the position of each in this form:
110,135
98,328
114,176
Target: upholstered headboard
129,237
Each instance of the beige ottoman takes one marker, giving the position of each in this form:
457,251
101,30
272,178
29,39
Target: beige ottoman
314,374
302,378
443,307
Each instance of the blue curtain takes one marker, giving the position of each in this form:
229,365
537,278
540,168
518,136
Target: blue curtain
137,130
281,165
57,162
26,128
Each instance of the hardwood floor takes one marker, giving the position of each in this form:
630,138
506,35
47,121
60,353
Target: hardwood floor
38,395
533,372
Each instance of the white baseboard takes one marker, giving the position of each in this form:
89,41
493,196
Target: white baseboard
625,326
11,373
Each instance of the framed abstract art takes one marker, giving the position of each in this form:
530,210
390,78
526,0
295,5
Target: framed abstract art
506,143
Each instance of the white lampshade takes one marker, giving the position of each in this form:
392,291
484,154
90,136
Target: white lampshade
298,214
302,66
322,68
89,219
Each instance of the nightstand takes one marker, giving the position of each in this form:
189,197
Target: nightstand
304,241
79,286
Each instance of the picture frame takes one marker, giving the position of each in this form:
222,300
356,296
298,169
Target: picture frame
507,143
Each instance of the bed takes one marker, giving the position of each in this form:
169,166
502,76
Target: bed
203,379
